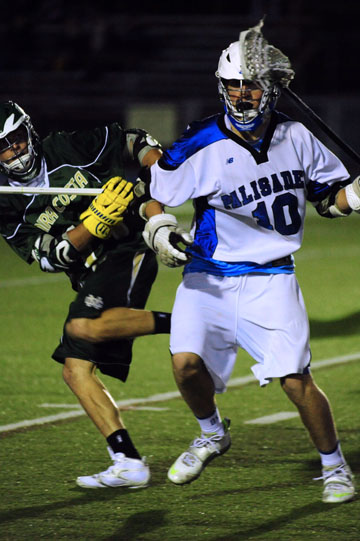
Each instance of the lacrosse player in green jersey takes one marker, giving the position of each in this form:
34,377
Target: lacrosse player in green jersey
98,243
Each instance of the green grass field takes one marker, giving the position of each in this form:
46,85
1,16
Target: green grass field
261,489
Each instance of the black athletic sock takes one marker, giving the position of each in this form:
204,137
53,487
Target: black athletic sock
162,322
120,442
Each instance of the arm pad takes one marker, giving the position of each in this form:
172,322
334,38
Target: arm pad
142,193
139,142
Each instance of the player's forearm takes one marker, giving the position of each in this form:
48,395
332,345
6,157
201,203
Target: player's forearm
151,157
79,237
342,202
152,208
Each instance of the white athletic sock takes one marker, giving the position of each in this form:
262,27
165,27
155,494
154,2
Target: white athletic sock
212,424
334,458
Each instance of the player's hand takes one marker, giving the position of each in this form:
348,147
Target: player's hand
164,236
107,209
116,190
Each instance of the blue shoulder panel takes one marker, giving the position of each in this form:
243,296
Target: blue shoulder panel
199,134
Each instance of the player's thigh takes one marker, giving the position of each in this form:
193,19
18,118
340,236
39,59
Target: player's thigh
273,325
119,281
273,301
202,322
143,275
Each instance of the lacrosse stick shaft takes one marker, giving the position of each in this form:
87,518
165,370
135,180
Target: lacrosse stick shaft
49,191
326,129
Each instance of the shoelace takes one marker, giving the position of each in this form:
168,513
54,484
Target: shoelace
207,441
339,470
204,441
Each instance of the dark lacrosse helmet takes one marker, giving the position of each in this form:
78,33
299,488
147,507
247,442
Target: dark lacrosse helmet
16,127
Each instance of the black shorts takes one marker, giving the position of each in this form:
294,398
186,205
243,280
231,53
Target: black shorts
120,280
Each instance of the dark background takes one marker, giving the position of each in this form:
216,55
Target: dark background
73,65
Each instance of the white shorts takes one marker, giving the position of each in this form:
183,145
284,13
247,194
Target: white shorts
263,314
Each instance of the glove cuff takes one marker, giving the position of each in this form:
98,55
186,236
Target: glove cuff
352,192
160,220
94,226
142,209
153,225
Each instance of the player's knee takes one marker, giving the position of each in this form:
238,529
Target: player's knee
296,387
186,365
70,376
76,372
84,329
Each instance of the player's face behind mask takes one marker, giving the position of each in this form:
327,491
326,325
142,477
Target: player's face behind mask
20,154
243,99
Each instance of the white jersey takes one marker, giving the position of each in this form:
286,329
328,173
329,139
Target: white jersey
249,204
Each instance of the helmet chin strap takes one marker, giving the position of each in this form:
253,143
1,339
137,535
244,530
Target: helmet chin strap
242,106
22,163
41,179
249,126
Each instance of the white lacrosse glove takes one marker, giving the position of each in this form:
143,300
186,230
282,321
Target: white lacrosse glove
163,235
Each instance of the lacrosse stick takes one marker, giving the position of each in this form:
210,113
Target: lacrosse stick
139,190
268,65
28,190
302,106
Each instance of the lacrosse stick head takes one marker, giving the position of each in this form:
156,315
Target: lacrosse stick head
20,147
251,60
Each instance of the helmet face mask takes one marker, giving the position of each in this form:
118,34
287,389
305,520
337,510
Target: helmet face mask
17,135
244,101
252,63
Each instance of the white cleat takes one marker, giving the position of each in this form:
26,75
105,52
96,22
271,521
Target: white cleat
338,484
125,472
190,464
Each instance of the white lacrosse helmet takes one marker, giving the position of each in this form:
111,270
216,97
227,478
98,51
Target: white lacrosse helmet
252,59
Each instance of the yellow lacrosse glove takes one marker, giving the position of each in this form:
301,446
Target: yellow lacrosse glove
106,210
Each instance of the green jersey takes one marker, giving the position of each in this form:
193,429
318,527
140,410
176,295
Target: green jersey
80,159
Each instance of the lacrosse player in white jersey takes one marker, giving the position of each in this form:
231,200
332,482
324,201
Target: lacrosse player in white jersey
249,172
